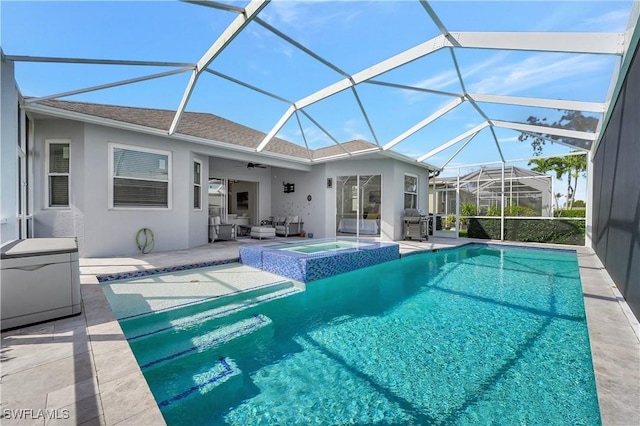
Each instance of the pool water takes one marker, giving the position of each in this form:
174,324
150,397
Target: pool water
476,335
319,247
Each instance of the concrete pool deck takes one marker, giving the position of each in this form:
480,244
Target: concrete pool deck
80,370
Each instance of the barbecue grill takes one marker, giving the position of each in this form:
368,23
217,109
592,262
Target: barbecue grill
416,225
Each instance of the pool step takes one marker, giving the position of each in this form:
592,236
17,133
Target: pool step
186,317
154,355
223,371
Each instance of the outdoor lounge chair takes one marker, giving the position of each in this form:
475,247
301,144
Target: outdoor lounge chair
221,231
292,225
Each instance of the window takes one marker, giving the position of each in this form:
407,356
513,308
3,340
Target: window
58,156
197,185
140,177
410,191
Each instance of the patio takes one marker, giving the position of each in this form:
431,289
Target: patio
81,369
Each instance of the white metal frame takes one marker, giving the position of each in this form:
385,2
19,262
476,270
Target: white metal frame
615,44
250,12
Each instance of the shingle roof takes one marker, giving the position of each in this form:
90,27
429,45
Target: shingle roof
202,125
351,146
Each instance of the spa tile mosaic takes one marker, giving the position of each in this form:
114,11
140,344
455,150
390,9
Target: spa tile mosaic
311,267
146,272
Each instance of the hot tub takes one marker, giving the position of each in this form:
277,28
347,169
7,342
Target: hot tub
313,260
40,280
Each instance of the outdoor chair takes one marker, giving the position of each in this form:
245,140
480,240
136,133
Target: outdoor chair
221,231
292,225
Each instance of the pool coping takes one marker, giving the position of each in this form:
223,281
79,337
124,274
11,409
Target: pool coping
118,393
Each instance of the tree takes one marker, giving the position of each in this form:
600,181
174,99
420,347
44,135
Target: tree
574,166
556,165
557,197
570,120
577,166
542,165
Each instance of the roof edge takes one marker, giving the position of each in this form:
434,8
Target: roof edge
301,163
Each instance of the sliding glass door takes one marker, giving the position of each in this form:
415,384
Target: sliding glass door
358,205
218,198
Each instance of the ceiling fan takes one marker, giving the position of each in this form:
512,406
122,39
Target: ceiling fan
254,165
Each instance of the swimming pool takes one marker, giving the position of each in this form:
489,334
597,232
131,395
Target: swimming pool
475,335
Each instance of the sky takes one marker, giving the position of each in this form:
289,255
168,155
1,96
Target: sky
352,35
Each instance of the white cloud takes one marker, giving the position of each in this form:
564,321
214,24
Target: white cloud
616,20
509,139
283,12
315,137
259,68
449,78
304,16
438,81
558,15
265,42
412,153
535,71
351,128
285,49
475,68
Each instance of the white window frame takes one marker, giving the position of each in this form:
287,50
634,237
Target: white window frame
112,146
404,192
47,174
199,184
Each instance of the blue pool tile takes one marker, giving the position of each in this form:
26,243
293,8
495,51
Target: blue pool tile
311,267
136,274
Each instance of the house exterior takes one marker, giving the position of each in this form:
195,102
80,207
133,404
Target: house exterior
102,173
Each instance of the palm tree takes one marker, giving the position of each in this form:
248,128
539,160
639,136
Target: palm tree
557,197
577,166
542,165
557,165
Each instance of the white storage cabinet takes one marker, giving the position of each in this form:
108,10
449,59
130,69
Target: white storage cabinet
39,281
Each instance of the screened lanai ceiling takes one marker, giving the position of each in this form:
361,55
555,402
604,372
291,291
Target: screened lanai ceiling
441,83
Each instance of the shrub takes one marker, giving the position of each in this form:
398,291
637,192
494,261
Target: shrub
556,231
519,211
449,221
570,213
467,209
493,211
512,211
